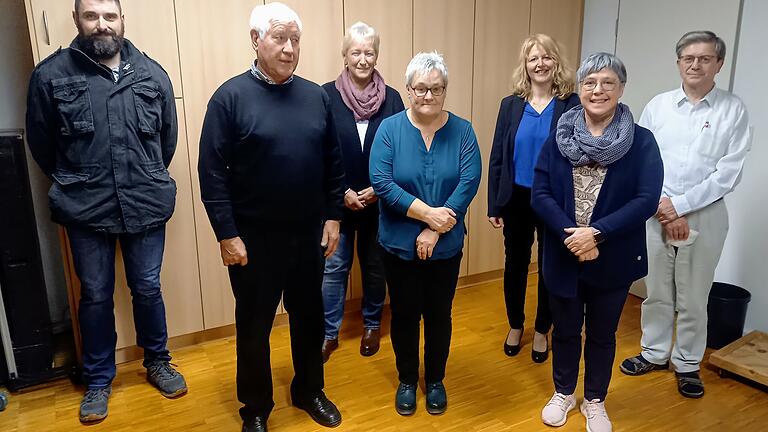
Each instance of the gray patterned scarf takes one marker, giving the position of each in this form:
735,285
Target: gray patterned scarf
578,145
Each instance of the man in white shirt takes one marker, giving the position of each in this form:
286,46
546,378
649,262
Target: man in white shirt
703,133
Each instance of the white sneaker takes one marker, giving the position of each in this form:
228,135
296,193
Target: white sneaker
597,418
555,412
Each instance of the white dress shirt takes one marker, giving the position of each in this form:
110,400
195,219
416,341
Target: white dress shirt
703,146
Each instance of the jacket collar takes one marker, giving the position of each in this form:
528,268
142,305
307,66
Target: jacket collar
132,61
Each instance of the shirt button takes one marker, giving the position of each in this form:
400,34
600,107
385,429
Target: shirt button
639,258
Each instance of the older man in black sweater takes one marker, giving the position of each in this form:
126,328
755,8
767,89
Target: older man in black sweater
271,178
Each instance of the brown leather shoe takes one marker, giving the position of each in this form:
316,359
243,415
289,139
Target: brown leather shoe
329,346
369,344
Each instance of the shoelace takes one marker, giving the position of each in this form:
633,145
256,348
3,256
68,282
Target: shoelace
405,387
595,409
92,395
163,369
558,399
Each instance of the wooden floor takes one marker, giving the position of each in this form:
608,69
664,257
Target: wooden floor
487,391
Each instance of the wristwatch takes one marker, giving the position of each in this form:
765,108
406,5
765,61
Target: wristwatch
598,236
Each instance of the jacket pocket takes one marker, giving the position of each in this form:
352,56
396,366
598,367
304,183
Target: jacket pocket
158,171
148,108
73,104
66,178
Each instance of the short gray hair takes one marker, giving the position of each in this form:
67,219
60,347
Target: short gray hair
359,32
424,63
697,36
262,17
599,61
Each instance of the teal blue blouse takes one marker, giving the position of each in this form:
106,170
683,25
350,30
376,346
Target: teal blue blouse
402,170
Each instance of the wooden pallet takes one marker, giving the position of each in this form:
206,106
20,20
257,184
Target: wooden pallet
746,357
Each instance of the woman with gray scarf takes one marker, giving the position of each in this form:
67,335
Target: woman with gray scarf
598,179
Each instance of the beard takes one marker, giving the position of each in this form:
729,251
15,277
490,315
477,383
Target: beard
100,45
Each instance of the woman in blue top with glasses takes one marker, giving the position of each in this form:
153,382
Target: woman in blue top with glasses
425,168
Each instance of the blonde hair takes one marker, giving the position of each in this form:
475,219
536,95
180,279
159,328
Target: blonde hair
562,77
359,32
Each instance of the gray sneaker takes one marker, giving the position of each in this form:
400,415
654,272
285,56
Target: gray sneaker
93,407
163,376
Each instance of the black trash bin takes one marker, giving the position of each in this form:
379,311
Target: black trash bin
727,311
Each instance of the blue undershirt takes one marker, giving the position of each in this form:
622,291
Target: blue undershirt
530,137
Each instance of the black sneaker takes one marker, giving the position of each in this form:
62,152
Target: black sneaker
162,375
689,384
93,406
638,365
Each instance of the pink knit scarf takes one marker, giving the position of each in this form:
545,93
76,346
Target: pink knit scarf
363,103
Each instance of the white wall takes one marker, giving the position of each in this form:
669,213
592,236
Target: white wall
647,32
599,29
15,67
746,248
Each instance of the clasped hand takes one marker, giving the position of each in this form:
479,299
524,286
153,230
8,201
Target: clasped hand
425,243
441,219
359,200
581,243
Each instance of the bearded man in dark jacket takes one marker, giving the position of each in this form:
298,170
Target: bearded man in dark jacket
101,123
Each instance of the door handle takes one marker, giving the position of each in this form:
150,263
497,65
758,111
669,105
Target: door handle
45,25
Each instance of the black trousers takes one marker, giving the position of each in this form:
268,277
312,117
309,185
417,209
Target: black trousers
519,224
288,263
421,289
600,309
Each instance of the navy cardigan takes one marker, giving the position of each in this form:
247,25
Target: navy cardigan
501,169
354,157
629,196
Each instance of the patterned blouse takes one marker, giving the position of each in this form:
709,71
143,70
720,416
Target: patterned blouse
587,181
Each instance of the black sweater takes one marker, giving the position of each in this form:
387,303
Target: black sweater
269,154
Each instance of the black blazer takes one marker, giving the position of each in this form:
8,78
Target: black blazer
501,169
354,157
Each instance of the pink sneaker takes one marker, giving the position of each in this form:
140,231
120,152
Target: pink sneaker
555,412
597,418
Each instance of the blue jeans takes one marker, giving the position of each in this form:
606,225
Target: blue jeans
336,275
94,258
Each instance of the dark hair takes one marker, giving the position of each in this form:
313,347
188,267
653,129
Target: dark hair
117,2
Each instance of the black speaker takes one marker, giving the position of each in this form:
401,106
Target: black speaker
26,315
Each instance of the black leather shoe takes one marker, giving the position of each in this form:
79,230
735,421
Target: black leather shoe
322,410
437,400
540,356
512,350
405,399
257,424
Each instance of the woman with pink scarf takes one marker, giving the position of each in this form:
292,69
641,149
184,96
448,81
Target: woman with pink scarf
359,101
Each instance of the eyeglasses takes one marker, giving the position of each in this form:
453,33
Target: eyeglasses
591,85
422,91
703,60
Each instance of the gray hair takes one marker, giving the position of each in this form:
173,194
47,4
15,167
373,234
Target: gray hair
697,36
360,32
599,61
425,62
263,16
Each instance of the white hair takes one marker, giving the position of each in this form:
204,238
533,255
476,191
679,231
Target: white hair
425,62
359,32
263,16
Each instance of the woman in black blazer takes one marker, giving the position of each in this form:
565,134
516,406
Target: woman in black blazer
542,91
359,102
